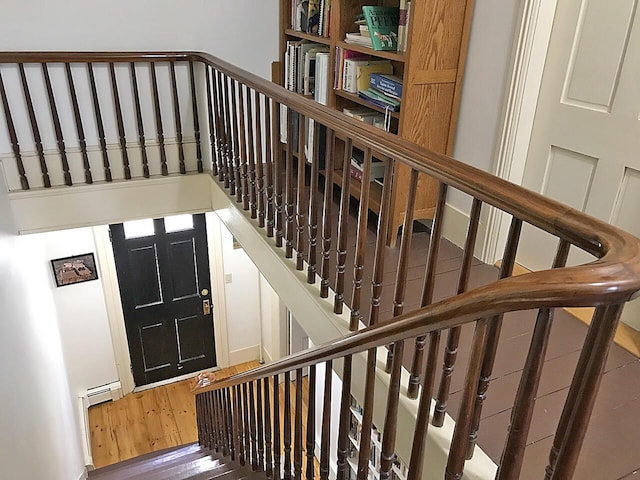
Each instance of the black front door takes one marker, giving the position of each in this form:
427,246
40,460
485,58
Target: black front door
163,274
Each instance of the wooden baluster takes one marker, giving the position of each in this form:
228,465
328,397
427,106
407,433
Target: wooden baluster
223,91
139,123
259,166
268,458
56,125
277,158
234,163
342,467
313,207
326,215
252,428
381,236
513,453
269,116
249,453
209,425
301,193
199,420
176,116
213,117
225,426
260,412
453,337
297,446
78,122
361,239
221,422
343,222
277,443
158,115
325,436
229,418
35,130
212,436
24,182
288,207
311,422
394,362
287,425
196,118
119,121
495,325
244,176
455,462
364,453
238,427
403,263
98,116
251,165
581,398
427,291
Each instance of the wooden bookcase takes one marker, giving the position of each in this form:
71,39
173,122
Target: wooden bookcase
432,70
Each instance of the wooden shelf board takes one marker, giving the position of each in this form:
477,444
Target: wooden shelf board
361,101
395,56
375,191
308,36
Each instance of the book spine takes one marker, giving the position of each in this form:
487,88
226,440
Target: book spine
386,85
402,27
349,77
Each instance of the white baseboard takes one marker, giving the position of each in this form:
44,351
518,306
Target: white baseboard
243,355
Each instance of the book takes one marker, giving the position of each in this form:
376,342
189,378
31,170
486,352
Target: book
402,27
358,39
364,72
313,17
341,56
310,67
301,12
379,100
388,84
363,114
356,73
383,26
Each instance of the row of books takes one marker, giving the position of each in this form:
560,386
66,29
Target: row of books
382,28
311,16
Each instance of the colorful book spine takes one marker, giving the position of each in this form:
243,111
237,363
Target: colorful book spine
387,84
383,26
402,26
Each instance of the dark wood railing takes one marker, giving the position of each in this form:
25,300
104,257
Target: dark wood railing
243,116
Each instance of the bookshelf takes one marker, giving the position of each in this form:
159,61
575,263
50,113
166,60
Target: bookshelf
431,69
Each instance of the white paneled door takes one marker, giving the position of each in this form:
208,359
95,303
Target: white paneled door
585,144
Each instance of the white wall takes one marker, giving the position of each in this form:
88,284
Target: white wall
39,437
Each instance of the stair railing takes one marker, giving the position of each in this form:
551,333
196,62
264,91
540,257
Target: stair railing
77,114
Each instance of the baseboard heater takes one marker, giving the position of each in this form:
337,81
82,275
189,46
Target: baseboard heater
104,393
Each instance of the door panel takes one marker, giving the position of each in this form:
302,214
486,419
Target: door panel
164,284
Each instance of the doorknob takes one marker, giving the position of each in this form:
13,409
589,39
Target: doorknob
206,307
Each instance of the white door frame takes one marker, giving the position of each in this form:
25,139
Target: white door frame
115,314
529,56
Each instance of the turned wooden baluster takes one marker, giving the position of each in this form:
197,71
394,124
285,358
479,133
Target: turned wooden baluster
158,117
176,116
259,167
268,457
249,176
297,446
260,413
212,421
213,116
222,423
246,434
301,191
238,425
381,236
119,121
224,141
244,145
288,207
199,420
15,146
196,118
313,208
208,427
453,337
325,436
271,145
287,425
326,215
277,444
427,291
56,125
495,325
139,122
98,116
78,123
311,423
35,130
361,239
277,158
343,222
252,427
229,419
342,468
234,161
513,452
582,393
403,264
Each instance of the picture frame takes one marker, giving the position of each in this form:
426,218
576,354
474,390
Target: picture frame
74,269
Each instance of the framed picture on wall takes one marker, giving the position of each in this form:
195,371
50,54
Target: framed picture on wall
75,269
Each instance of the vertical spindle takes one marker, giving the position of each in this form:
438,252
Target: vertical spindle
243,184
78,122
301,194
343,222
252,427
226,173
342,467
288,207
271,145
287,426
238,146
259,167
249,453
15,146
56,125
213,120
277,158
158,116
311,423
260,415
139,122
277,442
326,215
119,121
268,457
196,118
313,207
251,155
325,436
98,116
297,447
176,115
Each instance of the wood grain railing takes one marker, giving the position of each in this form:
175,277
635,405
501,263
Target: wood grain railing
290,194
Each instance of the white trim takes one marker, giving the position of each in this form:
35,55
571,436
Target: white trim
169,381
113,302
243,355
85,429
532,43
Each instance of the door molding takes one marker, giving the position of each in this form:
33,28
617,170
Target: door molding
528,60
